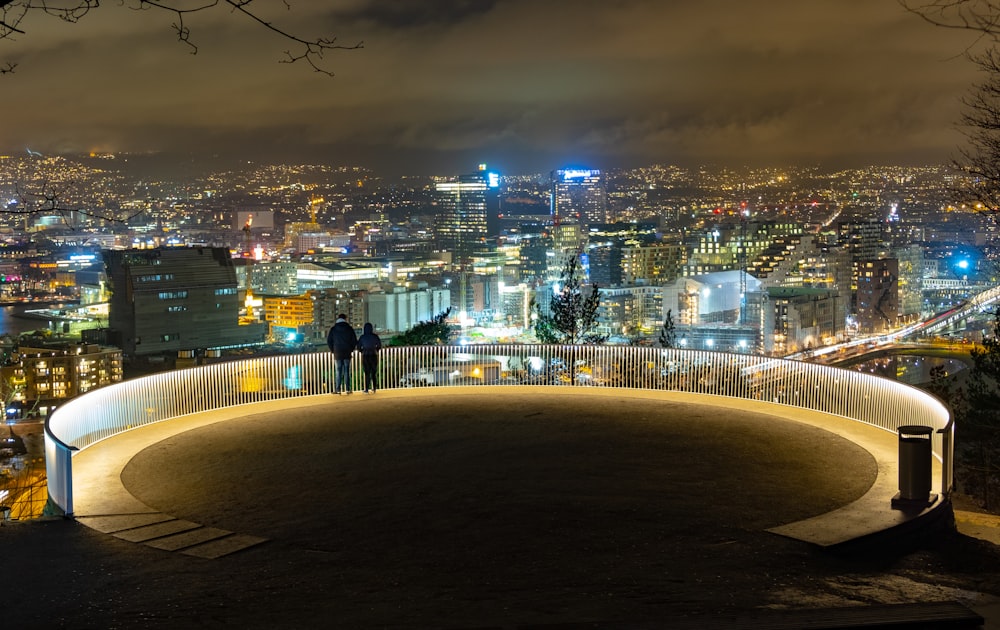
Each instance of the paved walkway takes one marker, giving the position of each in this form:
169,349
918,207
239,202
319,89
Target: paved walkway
502,508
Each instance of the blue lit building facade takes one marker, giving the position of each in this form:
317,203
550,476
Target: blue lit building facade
580,194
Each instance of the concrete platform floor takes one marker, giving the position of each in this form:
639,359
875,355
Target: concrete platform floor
473,508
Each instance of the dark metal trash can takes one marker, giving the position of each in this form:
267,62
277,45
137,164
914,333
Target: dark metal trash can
915,462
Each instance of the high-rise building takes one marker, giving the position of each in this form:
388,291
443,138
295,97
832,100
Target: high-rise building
864,239
534,259
579,194
465,204
604,263
877,294
911,267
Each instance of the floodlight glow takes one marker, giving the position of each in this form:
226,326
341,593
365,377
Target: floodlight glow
293,377
493,180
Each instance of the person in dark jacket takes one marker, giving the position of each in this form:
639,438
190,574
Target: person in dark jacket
369,344
343,341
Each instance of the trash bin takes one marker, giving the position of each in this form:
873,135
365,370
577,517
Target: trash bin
915,462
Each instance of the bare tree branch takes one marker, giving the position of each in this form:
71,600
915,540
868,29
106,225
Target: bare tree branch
309,51
47,199
980,123
979,160
982,16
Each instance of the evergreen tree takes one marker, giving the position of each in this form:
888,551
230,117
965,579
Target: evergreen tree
668,335
572,316
432,332
982,416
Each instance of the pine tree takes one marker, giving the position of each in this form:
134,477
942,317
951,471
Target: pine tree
572,317
668,335
982,415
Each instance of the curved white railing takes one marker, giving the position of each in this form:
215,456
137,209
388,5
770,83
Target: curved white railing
876,401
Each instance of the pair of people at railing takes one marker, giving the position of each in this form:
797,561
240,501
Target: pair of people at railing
343,341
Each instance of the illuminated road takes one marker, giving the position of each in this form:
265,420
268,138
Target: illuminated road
942,321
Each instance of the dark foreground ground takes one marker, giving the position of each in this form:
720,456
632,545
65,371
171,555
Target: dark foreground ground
460,513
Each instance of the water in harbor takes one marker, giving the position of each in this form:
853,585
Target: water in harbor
12,321
909,369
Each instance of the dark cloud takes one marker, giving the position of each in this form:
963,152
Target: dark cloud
449,83
405,14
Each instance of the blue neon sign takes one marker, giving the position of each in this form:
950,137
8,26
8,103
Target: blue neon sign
579,173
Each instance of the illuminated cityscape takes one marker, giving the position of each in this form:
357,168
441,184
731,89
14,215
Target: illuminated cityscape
767,261
672,301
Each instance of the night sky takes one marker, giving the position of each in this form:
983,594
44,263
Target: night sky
524,85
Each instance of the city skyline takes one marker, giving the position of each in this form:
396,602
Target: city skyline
526,87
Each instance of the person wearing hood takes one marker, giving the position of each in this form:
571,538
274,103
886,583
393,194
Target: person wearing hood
342,341
369,344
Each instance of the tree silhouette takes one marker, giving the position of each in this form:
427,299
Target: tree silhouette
668,334
980,119
572,316
47,197
432,332
982,414
14,13
979,16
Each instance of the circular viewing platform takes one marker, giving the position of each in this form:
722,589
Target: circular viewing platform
478,506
